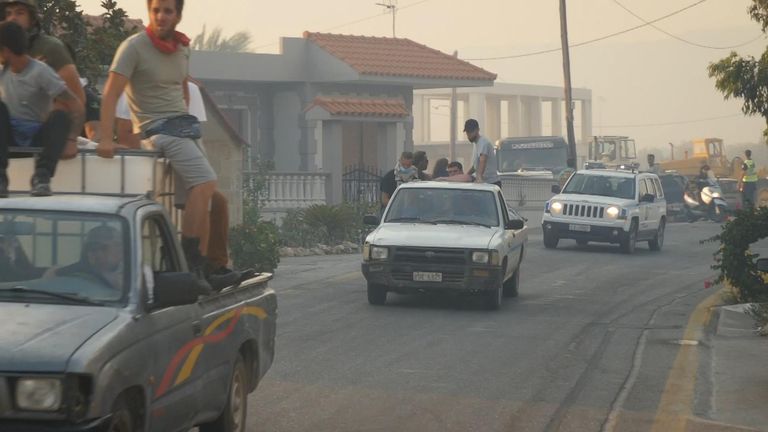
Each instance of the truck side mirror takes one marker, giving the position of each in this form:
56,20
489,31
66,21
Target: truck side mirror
762,265
515,224
371,220
174,289
556,189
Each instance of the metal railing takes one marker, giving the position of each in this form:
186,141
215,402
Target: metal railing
521,191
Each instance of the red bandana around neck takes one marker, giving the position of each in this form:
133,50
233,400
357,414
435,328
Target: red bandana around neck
168,46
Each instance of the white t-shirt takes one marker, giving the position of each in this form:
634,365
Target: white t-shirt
196,105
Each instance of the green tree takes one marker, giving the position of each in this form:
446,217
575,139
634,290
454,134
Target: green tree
215,41
93,46
746,78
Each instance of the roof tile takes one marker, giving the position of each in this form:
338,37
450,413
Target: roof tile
361,107
397,57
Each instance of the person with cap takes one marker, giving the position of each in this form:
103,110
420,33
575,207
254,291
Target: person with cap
48,49
37,110
484,162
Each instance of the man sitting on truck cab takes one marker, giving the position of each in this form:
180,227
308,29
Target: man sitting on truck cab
29,88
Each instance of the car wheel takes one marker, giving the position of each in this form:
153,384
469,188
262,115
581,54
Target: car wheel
628,245
236,409
494,297
122,417
658,242
512,284
550,241
377,294
582,242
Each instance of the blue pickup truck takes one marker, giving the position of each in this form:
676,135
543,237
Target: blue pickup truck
102,329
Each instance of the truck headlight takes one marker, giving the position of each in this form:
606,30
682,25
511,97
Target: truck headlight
485,257
556,207
38,394
379,253
481,257
612,212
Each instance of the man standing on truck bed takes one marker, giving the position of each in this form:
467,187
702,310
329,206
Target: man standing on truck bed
153,68
484,163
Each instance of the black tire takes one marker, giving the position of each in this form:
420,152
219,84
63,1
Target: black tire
658,242
232,419
512,285
494,298
377,294
582,242
628,245
123,418
550,241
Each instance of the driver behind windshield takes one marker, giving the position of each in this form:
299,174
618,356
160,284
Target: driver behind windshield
101,258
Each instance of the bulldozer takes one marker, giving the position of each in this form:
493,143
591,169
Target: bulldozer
706,151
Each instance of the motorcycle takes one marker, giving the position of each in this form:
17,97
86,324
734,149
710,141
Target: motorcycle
707,203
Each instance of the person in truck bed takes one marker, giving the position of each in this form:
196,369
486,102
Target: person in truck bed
29,88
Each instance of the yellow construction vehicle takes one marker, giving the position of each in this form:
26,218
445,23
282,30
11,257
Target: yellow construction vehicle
706,151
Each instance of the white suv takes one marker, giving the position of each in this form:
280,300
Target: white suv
607,206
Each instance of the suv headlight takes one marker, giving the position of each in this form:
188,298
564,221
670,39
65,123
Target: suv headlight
38,394
612,212
379,253
556,207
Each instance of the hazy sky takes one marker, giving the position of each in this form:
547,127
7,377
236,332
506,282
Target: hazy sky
641,80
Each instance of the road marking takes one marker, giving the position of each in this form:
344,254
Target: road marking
675,407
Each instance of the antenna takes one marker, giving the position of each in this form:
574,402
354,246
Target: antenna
391,5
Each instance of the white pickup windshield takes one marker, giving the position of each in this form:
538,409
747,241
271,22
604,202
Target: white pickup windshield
444,206
62,257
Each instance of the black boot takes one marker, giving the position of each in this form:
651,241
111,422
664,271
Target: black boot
222,278
41,183
196,263
3,184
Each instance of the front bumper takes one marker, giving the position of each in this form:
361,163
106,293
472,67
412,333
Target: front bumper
98,425
398,277
597,233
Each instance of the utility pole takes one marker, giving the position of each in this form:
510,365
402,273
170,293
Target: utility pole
392,6
454,120
568,90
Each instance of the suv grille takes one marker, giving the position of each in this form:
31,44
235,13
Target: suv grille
584,210
421,255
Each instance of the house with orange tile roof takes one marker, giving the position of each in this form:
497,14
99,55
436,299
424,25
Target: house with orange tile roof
325,103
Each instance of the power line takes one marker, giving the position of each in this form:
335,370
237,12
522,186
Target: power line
672,123
602,38
357,21
685,40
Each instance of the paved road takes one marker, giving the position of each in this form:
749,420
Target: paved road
587,346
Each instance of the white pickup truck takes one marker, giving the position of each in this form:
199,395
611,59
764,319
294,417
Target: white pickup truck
447,237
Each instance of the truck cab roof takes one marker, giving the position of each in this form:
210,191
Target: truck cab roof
72,203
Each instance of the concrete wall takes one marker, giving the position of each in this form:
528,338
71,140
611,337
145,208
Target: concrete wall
287,134
226,159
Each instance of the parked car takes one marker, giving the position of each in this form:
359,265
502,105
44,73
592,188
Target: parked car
445,237
608,206
104,330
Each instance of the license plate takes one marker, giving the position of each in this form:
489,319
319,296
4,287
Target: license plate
427,277
580,228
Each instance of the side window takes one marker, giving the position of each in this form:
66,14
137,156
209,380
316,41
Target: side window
651,187
659,189
504,210
643,190
156,247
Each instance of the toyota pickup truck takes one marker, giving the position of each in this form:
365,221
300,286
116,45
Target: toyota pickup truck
445,237
103,330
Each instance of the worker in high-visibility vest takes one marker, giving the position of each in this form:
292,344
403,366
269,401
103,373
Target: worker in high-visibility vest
748,183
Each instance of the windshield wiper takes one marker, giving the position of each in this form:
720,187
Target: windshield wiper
63,296
409,219
458,222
